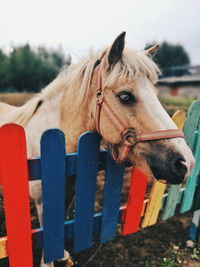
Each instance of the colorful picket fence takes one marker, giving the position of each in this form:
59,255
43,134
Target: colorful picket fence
55,166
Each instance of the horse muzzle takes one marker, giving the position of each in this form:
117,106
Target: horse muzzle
171,169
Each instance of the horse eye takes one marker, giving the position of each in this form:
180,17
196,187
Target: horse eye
126,98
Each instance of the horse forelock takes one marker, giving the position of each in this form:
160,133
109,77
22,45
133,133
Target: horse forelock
133,64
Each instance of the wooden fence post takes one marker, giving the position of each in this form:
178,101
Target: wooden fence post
14,176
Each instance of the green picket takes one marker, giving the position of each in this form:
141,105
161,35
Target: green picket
196,201
192,123
193,141
171,202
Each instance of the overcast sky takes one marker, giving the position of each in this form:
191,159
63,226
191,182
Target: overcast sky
79,24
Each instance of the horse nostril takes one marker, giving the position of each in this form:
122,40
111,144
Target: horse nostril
171,167
180,168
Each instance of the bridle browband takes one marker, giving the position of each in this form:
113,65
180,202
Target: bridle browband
128,134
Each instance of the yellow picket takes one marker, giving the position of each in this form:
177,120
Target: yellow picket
3,247
179,118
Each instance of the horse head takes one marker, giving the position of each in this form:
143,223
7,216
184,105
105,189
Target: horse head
127,109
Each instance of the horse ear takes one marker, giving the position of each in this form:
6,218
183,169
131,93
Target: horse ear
151,52
116,49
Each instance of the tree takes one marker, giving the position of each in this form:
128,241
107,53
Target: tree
4,70
26,69
170,55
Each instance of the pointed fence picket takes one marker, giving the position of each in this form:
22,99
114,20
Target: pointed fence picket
14,178
53,193
192,132
54,167
87,167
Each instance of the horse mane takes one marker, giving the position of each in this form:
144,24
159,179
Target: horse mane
75,81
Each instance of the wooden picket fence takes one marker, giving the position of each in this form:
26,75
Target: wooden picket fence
54,168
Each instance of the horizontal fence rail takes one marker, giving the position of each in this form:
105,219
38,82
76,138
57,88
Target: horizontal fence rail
53,169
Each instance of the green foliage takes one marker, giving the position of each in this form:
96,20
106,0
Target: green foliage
196,254
179,101
4,70
169,55
25,69
174,258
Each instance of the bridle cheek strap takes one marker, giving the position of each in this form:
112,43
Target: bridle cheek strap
129,135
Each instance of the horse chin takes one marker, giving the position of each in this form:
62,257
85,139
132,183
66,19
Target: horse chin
114,149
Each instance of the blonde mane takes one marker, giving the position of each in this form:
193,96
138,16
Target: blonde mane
75,81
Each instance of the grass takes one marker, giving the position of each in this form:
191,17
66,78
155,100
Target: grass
174,103
176,256
196,254
15,99
176,100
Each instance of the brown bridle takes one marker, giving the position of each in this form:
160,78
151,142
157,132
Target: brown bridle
128,134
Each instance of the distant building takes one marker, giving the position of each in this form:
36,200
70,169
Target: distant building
180,81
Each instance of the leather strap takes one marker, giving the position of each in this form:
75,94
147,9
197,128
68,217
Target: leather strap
162,134
129,135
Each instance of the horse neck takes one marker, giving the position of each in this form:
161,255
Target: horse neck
76,119
47,116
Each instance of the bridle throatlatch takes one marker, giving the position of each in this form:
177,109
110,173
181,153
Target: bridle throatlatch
128,134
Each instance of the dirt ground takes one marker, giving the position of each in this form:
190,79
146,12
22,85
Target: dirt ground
161,245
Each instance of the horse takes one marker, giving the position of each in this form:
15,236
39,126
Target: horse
112,92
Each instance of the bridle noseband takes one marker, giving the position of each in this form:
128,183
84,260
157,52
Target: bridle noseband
128,134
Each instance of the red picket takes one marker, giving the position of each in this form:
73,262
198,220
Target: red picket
132,214
14,176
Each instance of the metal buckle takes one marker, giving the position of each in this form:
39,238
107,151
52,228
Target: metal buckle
130,136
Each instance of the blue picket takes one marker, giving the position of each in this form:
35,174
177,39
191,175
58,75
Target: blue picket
111,199
194,227
37,234
53,193
87,167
